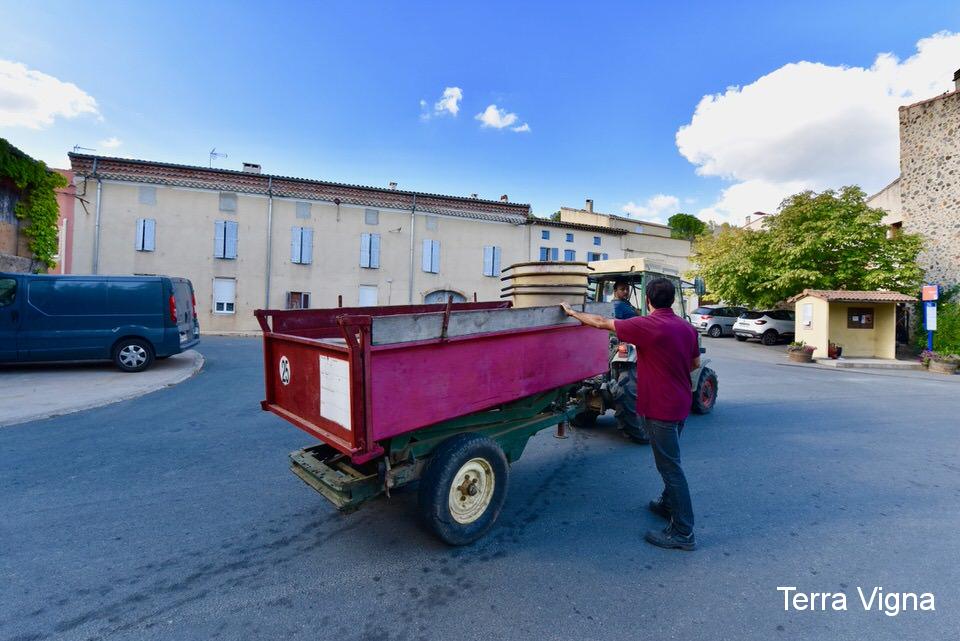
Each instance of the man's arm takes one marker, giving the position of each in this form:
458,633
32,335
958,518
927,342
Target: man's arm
696,364
593,320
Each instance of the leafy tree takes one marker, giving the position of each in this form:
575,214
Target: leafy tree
686,226
555,216
828,240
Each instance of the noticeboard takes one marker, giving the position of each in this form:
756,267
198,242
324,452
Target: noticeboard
930,292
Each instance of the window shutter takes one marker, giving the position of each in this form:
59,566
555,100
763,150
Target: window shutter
544,254
364,250
218,239
149,234
138,243
496,261
425,261
605,256
375,251
306,247
230,244
435,257
488,261
554,253
296,239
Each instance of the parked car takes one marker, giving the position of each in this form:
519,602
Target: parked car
130,320
769,326
715,320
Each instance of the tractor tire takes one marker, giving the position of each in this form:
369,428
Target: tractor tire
586,418
770,337
705,396
463,488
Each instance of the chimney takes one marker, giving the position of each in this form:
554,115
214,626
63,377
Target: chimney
393,185
474,196
504,199
748,219
251,168
956,79
589,206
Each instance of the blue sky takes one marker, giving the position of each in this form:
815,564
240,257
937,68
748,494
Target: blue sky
334,91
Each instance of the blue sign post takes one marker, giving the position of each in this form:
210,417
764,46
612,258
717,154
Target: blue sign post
930,294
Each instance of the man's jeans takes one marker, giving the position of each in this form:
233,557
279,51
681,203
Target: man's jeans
665,442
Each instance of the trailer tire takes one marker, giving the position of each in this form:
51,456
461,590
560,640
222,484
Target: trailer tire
463,488
586,418
705,396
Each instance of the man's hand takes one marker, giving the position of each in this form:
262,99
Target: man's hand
567,309
593,320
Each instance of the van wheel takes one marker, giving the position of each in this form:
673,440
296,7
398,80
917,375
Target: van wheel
769,337
463,488
133,355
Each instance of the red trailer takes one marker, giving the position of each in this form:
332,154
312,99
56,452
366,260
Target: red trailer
448,394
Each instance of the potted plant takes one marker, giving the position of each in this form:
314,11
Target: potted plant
833,350
944,363
800,352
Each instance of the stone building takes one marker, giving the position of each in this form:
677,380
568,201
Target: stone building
925,199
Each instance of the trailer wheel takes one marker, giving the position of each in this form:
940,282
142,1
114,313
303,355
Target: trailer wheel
463,488
705,396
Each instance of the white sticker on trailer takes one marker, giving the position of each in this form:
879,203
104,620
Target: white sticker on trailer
335,391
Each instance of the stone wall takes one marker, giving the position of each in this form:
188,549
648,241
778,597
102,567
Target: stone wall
930,182
16,264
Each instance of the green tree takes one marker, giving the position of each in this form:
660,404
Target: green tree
830,240
686,226
555,216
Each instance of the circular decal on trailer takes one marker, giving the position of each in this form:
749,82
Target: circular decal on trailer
284,370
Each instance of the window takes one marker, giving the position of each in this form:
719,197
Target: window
147,195
370,251
228,202
569,238
491,261
431,256
431,222
371,216
301,245
592,256
545,234
367,296
859,318
146,240
8,291
304,211
638,229
604,256
298,300
569,254
596,241
225,239
549,253
224,295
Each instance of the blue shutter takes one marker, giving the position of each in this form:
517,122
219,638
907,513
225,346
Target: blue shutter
604,256
230,241
554,253
218,239
545,234
296,239
544,254
138,243
306,246
150,234
569,255
496,261
364,250
488,261
435,257
375,251
425,260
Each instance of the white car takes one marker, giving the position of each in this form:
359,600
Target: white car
769,326
715,320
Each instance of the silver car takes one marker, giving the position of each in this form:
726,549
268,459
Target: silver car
715,320
768,326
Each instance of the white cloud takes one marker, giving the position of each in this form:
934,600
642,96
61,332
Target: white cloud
32,99
110,143
449,104
497,118
656,208
809,125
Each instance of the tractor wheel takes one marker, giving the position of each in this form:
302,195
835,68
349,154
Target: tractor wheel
586,418
705,396
464,488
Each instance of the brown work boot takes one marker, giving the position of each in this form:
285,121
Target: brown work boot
670,539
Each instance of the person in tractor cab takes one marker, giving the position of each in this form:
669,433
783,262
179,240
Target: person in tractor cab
667,351
623,388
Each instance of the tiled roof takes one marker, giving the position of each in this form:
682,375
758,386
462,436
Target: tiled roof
533,220
159,173
850,296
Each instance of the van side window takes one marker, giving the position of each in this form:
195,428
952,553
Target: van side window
8,291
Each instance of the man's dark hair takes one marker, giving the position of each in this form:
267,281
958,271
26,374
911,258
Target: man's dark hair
661,293
621,281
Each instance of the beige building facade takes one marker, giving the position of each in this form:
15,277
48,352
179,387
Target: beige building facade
566,241
248,240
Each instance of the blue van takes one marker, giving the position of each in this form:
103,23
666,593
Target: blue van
130,320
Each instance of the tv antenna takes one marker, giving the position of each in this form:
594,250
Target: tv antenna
214,155
77,148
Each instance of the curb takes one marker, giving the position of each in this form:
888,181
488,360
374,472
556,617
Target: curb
198,362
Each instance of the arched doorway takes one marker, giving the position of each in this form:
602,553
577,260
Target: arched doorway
441,296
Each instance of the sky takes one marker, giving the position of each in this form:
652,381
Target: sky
716,109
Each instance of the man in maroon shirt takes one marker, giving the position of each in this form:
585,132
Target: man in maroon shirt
667,351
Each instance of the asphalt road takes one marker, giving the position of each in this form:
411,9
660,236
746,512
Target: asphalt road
174,516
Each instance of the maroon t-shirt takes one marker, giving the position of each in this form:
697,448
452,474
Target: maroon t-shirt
666,348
